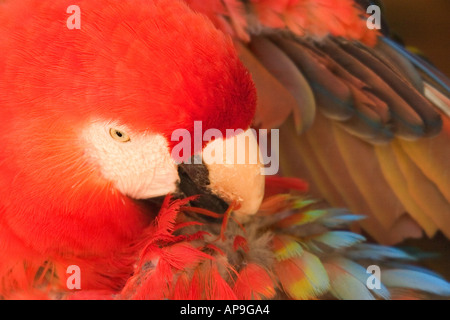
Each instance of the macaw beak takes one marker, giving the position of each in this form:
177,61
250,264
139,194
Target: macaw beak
230,173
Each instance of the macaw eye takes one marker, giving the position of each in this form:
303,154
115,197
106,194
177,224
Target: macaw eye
119,135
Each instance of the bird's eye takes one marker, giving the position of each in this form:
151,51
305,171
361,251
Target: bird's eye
119,135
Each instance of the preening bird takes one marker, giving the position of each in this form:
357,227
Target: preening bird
87,151
370,125
88,117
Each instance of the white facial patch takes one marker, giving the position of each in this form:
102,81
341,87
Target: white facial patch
140,167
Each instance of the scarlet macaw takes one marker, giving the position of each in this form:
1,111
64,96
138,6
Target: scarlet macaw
373,119
88,118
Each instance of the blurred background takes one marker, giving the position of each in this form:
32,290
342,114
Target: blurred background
424,24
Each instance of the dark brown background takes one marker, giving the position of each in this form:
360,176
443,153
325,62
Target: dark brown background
424,24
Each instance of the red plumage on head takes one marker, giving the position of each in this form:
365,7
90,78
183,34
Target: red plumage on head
141,63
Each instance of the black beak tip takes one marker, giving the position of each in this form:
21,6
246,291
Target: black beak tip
194,181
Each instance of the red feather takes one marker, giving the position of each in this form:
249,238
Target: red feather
126,64
254,282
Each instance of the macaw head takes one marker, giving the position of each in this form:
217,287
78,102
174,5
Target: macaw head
90,116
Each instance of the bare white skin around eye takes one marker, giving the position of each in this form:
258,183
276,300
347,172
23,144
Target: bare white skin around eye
139,165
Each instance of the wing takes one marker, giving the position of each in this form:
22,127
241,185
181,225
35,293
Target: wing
366,122
293,248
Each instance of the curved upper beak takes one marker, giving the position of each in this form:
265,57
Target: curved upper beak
231,170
